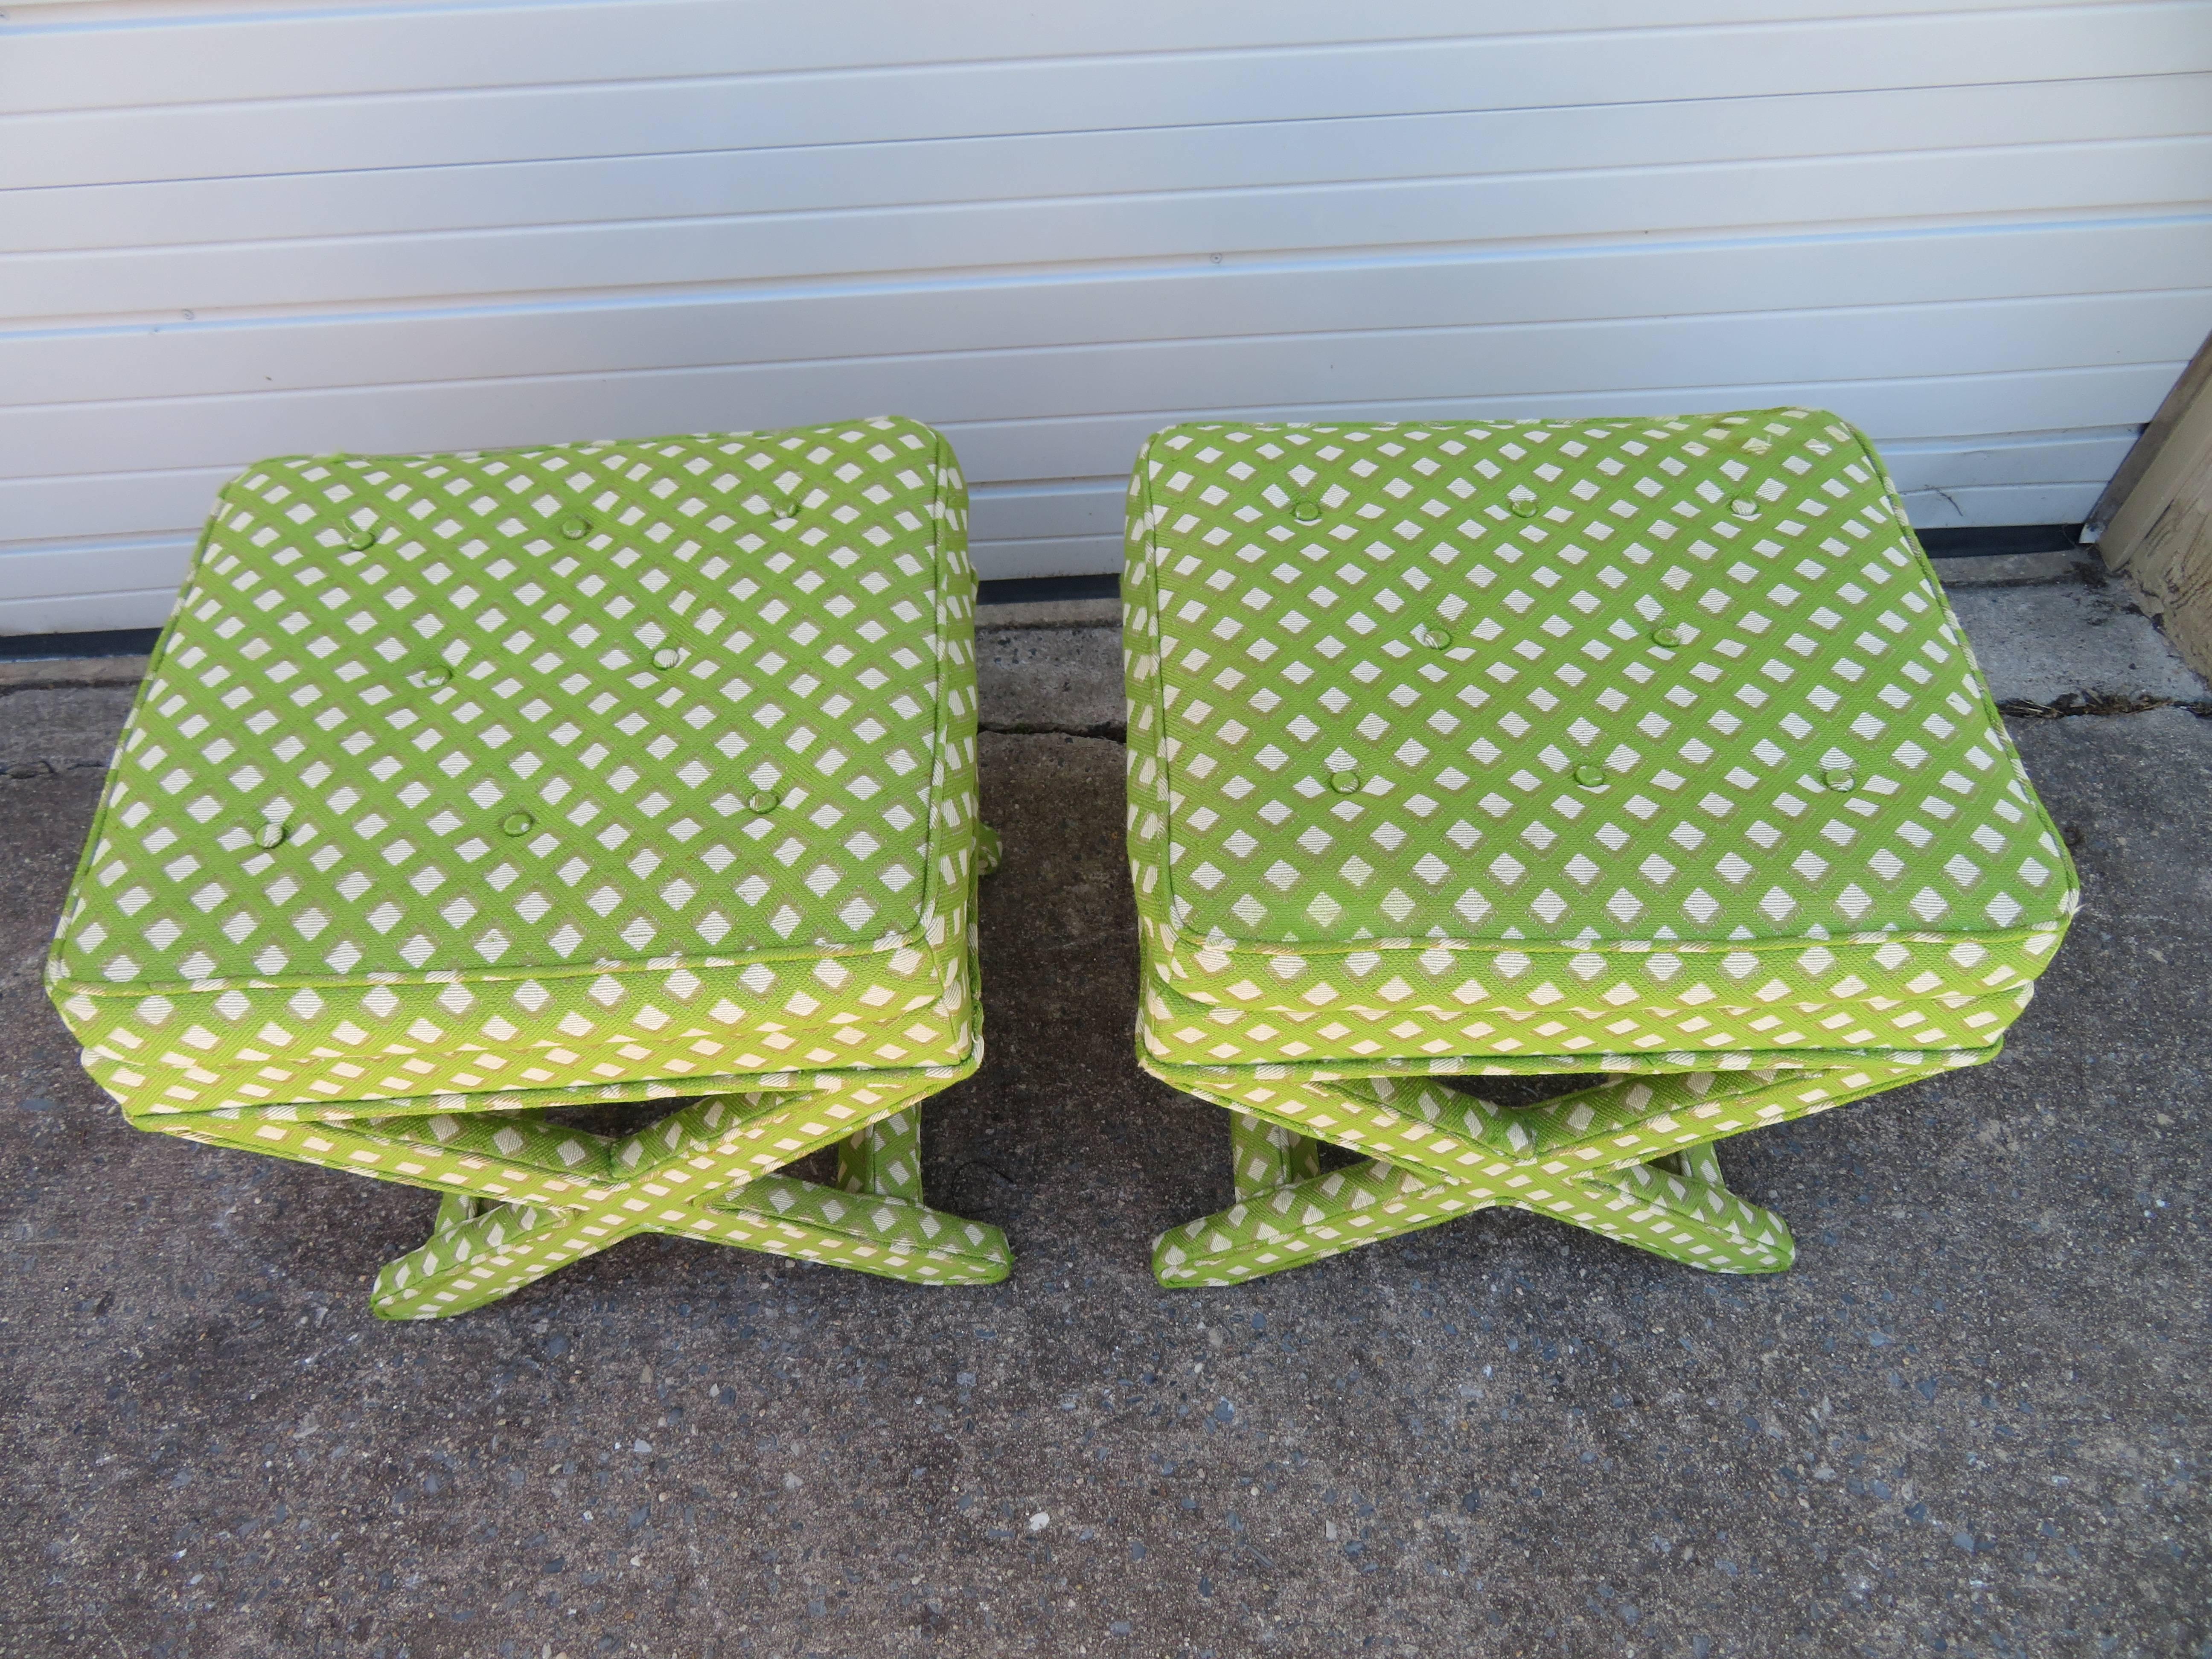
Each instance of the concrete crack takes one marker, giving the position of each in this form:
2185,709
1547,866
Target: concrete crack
1111,732
2075,704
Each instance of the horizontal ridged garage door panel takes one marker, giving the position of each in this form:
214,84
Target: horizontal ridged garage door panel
104,62
1983,232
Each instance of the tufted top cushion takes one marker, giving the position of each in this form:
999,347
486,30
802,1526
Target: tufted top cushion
1658,732
544,769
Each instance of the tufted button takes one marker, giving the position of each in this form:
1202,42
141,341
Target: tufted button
517,824
1434,635
764,801
1344,783
575,527
1839,777
1591,775
362,537
1306,511
1744,507
1671,638
668,657
431,675
1524,506
272,835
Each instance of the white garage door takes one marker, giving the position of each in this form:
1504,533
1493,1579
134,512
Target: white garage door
242,229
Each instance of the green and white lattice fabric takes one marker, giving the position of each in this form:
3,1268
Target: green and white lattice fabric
1634,747
465,788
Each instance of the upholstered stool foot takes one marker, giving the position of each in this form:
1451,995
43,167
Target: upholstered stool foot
1307,1220
1655,1207
481,1249
893,1237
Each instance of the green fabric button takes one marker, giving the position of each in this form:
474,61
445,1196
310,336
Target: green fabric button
517,824
1524,506
1435,636
1306,511
787,509
668,657
1669,637
763,800
1744,507
431,675
1344,782
1839,777
362,537
575,528
1590,776
272,835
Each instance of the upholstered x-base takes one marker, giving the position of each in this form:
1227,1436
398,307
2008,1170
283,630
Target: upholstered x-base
873,1219
526,1195
1631,1158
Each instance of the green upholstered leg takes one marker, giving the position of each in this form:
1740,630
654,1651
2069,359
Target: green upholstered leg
525,1193
1629,1158
885,1158
1265,1156
1699,1222
896,1237
1303,1221
482,1249
1693,1163
1649,1206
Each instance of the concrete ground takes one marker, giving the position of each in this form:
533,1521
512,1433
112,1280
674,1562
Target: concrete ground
1970,1421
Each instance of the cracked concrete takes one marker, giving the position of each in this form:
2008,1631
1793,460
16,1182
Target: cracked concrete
1970,1420
2037,644
61,728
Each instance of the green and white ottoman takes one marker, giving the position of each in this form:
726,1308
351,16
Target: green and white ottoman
1641,748
467,791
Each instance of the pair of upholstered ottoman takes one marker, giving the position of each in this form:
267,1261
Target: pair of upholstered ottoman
588,833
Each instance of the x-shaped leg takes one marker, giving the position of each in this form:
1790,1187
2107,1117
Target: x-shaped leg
874,1220
1631,1158
526,1195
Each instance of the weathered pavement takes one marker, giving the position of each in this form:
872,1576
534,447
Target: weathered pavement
1970,1421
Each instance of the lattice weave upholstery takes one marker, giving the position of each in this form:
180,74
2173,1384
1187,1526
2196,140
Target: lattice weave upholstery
464,791
1646,748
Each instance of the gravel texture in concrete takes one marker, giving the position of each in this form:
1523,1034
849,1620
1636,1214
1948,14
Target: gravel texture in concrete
2018,569
1050,613
1051,680
1971,1420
